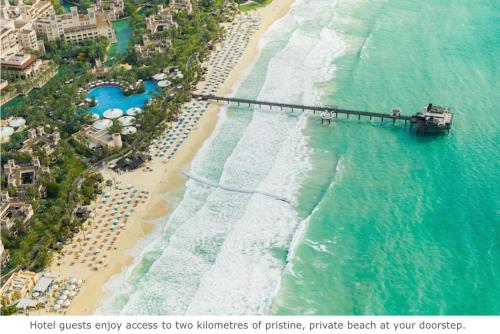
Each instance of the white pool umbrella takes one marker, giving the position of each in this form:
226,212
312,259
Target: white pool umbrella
164,83
134,111
129,130
6,131
102,124
126,120
17,122
113,113
159,76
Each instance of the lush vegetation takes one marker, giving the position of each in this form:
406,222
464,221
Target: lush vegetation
62,51
72,180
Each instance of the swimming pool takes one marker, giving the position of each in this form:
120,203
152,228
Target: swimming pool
112,97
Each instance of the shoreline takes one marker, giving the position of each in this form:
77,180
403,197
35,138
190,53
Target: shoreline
163,177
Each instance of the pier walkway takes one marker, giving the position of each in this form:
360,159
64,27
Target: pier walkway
431,120
332,110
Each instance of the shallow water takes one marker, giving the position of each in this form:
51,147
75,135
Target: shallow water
123,32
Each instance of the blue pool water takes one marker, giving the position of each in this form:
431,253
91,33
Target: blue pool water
112,97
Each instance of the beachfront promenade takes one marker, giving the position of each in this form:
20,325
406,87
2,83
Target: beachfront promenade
433,119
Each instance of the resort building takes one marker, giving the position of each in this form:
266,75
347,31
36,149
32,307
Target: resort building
18,39
18,286
160,22
24,11
13,209
17,32
110,9
99,137
182,5
16,63
22,66
75,27
38,137
25,175
150,46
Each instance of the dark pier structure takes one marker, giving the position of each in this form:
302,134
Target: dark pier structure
431,120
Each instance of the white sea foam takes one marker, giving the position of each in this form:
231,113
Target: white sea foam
219,252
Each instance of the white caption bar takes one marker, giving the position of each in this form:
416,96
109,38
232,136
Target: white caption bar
225,324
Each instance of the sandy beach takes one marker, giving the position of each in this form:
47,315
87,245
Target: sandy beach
155,179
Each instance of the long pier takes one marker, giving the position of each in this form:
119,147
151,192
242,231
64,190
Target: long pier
332,110
431,120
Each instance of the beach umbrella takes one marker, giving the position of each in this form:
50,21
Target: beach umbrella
126,120
66,303
129,130
102,124
134,111
113,113
72,293
17,122
6,131
159,76
95,117
57,307
164,83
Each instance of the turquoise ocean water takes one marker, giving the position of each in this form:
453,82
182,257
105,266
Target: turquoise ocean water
381,221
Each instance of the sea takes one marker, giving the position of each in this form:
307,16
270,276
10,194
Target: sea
358,217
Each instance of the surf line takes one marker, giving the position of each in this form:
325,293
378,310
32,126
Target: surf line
244,191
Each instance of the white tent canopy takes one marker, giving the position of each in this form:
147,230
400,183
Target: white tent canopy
164,83
159,76
103,124
129,130
134,111
6,131
126,120
17,122
113,113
